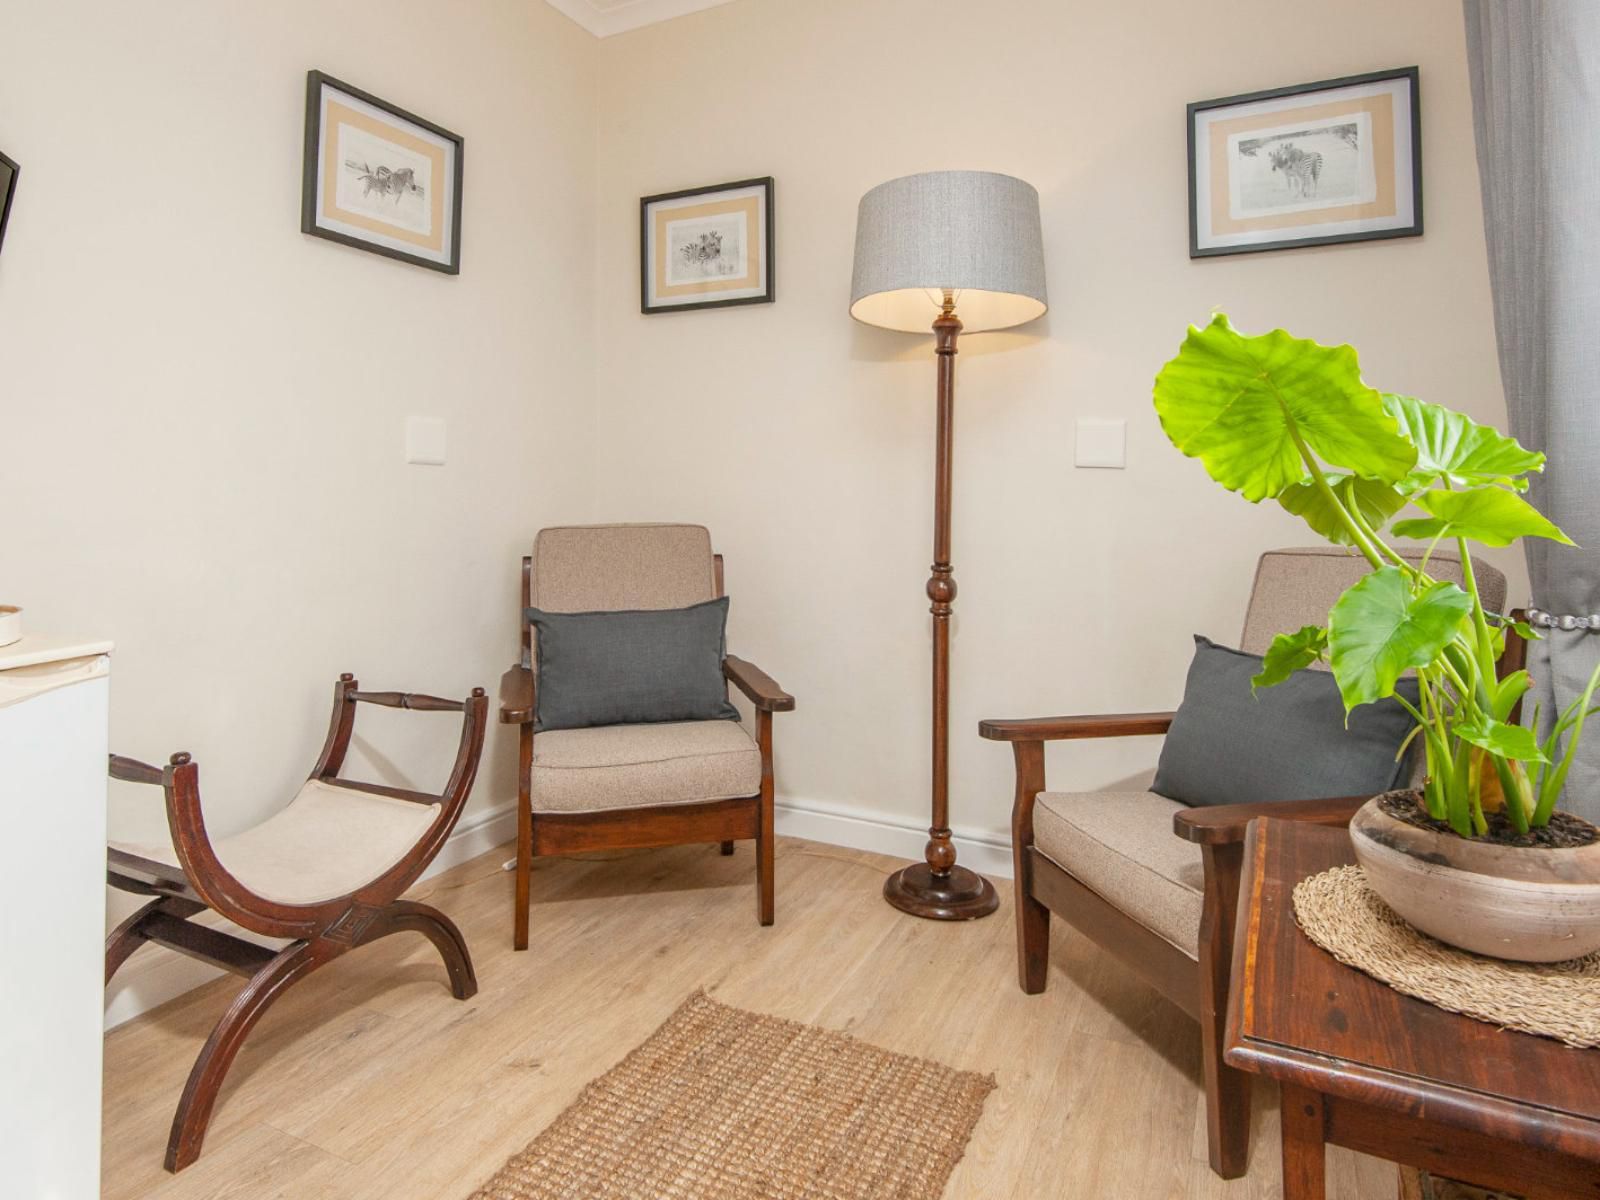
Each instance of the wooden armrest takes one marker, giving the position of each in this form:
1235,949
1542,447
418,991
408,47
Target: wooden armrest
755,683
1220,824
516,696
131,770
1053,729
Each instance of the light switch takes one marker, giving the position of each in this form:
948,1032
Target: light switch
1102,444
425,441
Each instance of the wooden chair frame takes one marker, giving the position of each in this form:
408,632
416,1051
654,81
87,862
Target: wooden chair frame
1198,988
321,932
721,821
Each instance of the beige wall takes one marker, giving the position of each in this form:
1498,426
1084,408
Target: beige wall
805,441
201,408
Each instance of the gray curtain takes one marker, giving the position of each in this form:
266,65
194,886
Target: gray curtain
1535,68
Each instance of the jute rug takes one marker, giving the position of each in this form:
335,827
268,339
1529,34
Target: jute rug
1340,913
720,1104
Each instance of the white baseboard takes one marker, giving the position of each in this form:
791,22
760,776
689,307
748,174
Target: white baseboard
155,974
985,851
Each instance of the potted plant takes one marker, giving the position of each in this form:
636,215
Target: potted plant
1479,857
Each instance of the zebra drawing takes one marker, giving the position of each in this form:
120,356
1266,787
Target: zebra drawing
384,181
1301,169
707,249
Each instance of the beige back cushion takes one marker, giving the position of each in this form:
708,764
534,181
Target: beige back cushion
1295,588
605,568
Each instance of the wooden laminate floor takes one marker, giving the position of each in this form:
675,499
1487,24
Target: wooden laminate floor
368,1082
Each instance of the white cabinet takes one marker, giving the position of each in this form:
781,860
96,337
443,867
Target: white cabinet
54,694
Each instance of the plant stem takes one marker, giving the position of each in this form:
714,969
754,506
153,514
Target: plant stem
1515,793
1320,482
1461,801
1436,755
1457,673
1479,621
1384,548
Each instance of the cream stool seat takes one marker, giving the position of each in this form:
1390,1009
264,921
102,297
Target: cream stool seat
327,842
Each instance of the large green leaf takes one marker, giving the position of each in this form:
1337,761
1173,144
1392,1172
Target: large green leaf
1455,449
1378,630
1288,653
1237,403
1507,741
1489,515
1374,499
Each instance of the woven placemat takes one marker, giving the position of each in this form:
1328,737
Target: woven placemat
723,1104
1340,913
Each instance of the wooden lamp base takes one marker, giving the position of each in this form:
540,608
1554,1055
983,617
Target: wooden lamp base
955,895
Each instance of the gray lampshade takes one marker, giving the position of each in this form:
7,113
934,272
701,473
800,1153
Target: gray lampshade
974,232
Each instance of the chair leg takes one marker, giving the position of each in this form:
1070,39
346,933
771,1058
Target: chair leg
1033,918
292,963
400,916
1227,1089
766,903
129,936
1033,940
519,938
727,849
765,836
1227,1107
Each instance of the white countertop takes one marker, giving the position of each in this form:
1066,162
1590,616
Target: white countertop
36,648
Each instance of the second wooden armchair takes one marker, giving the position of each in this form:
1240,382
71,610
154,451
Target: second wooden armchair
1109,864
616,787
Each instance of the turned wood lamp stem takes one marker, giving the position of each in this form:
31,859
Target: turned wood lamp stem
936,887
941,855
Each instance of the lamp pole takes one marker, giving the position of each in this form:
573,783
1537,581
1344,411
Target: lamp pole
937,888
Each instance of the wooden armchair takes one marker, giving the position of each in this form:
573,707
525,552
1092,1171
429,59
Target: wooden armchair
1108,863
326,871
620,787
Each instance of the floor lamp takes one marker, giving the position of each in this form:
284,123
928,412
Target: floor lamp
926,244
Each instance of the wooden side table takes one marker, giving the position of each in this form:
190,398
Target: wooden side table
1365,1067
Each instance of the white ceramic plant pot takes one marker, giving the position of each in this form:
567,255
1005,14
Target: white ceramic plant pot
10,624
1525,904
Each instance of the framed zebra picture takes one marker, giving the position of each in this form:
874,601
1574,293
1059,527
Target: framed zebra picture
707,247
1310,165
379,178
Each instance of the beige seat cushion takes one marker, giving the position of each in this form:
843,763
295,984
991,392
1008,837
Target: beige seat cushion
328,842
634,766
1121,845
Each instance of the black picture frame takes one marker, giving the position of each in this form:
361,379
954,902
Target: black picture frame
316,81
769,251
8,193
1414,229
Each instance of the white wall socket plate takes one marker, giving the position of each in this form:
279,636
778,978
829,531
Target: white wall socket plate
1101,443
425,441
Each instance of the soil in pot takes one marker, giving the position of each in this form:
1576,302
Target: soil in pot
1564,832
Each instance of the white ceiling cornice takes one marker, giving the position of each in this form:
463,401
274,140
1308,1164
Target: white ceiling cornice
606,17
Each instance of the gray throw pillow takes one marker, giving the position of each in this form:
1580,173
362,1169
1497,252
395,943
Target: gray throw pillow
1288,742
631,667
